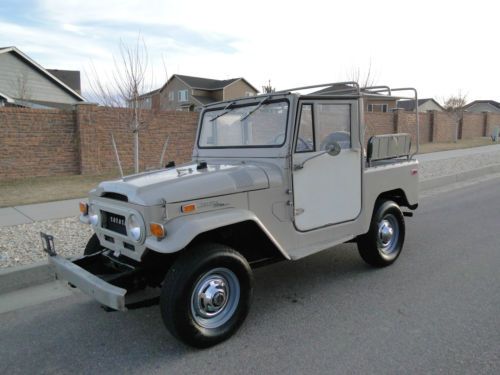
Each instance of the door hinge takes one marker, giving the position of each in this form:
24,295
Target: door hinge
298,211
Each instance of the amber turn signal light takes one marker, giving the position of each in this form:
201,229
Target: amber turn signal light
187,208
84,208
157,230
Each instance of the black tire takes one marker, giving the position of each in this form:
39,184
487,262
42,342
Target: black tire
383,243
93,246
206,263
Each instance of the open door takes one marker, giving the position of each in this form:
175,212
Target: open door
327,186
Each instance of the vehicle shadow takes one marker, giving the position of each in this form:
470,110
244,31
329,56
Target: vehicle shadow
75,334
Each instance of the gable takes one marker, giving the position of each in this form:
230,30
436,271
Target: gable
21,80
482,107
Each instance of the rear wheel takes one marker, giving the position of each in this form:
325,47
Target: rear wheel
383,243
206,294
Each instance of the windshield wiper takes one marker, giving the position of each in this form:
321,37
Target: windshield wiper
256,108
226,109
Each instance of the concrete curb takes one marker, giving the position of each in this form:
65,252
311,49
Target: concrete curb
15,278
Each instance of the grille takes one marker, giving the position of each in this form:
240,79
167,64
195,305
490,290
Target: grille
114,222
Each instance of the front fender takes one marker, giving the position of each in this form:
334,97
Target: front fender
182,230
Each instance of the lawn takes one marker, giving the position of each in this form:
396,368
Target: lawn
46,189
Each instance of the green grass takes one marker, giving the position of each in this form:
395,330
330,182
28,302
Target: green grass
45,189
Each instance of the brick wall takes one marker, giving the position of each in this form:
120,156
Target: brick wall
444,127
378,123
473,125
492,122
36,142
96,124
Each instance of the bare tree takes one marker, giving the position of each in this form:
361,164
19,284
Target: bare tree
268,88
128,82
363,78
454,105
20,85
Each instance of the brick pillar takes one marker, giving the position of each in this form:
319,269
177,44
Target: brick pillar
485,124
87,137
397,118
433,126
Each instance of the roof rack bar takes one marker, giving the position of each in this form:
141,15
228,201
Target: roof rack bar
414,90
353,83
375,89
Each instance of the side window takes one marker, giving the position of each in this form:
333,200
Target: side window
333,123
305,140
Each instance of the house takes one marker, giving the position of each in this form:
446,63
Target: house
187,93
424,105
483,106
25,83
373,103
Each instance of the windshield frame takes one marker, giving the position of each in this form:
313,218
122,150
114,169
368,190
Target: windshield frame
251,104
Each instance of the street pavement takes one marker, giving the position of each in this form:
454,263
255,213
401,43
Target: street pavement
436,310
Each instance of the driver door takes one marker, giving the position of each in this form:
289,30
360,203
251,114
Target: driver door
327,189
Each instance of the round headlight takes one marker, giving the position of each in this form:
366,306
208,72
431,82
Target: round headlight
93,215
134,226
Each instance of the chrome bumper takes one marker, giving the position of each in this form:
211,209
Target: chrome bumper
107,294
104,292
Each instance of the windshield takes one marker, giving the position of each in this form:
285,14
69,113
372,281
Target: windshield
257,125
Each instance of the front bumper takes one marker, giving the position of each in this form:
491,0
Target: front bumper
104,292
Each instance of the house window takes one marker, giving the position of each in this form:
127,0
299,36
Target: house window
377,107
182,95
249,93
171,96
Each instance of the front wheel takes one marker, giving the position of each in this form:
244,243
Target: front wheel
383,243
206,294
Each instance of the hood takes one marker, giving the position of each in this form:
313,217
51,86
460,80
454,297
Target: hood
187,183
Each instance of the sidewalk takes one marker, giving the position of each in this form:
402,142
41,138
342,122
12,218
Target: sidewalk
436,166
30,213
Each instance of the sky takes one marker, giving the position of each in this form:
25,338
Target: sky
440,47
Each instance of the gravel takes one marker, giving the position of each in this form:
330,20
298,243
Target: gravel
21,244
431,166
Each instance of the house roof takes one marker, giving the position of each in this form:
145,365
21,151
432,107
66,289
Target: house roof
409,105
148,94
41,70
69,77
491,102
203,100
6,98
343,89
207,84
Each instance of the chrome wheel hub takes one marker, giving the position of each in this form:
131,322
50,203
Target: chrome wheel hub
388,234
215,298
212,296
385,232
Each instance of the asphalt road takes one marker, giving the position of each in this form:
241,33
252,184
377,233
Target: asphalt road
436,310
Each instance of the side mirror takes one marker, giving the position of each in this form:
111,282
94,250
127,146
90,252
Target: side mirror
333,148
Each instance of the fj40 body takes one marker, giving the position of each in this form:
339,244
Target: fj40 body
275,177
